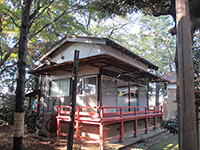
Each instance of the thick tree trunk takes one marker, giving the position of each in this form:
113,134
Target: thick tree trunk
187,117
21,77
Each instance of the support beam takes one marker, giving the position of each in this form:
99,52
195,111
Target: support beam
186,106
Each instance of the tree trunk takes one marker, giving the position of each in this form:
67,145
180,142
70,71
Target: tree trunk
187,117
21,77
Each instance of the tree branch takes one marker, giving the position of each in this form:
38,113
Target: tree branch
154,12
11,18
6,67
48,24
9,52
34,16
2,62
117,28
195,24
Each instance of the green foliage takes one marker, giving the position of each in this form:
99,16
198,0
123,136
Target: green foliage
7,105
54,20
122,7
170,125
196,62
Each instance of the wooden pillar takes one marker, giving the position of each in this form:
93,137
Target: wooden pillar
157,91
129,96
78,124
146,121
121,127
186,106
154,120
58,123
30,104
146,125
161,117
99,94
135,128
147,94
101,134
73,101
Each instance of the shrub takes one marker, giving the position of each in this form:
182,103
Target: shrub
7,108
171,125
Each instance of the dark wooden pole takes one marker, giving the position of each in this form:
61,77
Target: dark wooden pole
73,100
186,105
157,92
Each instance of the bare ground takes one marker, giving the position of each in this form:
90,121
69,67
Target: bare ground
30,141
33,142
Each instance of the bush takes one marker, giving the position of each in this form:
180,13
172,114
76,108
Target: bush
170,125
7,108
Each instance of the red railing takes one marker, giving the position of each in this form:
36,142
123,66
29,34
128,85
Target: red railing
107,115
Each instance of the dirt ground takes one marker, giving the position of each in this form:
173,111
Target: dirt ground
33,142
30,141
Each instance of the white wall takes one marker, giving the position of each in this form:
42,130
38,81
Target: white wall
142,96
91,49
82,71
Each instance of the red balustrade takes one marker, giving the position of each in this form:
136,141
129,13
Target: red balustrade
107,115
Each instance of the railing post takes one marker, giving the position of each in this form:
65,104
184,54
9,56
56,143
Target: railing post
161,118
154,122
135,110
58,123
135,122
121,127
101,113
146,121
78,123
146,125
101,129
58,110
135,127
145,110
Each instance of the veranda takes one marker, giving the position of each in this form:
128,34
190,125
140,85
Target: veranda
93,123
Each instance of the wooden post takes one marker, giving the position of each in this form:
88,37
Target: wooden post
121,127
135,127
129,96
58,122
154,121
146,125
157,91
101,132
73,100
187,119
78,124
146,121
